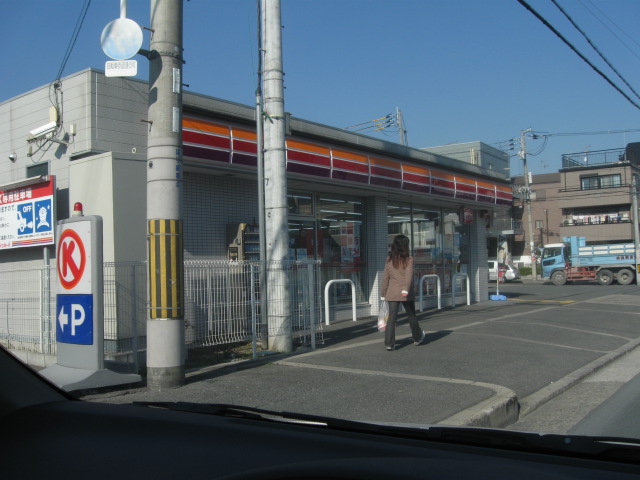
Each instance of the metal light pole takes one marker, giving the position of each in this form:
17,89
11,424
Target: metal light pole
523,156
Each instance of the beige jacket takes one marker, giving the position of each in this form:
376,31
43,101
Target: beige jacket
395,280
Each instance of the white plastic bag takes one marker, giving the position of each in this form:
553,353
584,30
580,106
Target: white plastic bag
383,315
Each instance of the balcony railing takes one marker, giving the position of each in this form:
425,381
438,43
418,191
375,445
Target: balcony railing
590,159
595,220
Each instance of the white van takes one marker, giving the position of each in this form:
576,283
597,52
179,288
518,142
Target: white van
511,272
493,269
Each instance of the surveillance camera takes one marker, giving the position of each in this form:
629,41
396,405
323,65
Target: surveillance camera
13,157
42,131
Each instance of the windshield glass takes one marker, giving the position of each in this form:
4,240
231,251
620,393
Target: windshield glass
174,234
550,252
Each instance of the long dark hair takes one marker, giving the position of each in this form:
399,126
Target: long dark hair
399,254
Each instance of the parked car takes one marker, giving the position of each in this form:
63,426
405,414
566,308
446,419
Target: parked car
509,271
494,267
512,273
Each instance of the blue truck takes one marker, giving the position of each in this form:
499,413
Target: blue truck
574,260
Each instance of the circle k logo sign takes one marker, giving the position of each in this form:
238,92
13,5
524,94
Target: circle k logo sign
71,259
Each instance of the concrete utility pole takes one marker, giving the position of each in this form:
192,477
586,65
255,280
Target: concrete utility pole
523,156
275,181
165,326
634,206
403,132
264,294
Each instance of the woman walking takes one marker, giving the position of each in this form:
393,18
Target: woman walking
398,288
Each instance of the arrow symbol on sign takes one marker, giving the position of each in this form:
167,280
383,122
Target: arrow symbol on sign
63,319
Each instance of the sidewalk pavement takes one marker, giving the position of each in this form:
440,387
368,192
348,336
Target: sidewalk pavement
480,365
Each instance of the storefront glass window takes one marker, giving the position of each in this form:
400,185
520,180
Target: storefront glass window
399,221
334,235
300,203
426,236
451,247
439,240
301,239
340,221
427,245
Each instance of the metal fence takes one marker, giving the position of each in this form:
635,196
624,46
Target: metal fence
27,308
223,305
223,301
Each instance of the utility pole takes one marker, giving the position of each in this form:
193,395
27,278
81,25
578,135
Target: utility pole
275,182
527,193
261,208
634,203
165,326
403,132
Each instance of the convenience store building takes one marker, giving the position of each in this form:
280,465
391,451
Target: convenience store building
349,194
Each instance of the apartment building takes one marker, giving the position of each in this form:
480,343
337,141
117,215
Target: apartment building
591,196
596,195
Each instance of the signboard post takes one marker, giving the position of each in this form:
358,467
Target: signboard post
121,39
79,308
79,317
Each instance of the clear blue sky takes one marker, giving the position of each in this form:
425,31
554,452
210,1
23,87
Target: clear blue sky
459,70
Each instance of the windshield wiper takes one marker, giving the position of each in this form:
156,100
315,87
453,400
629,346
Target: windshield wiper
601,448
235,411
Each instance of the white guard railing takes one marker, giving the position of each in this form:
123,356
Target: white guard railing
326,297
439,290
454,282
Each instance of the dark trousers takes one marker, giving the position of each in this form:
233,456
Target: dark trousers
390,331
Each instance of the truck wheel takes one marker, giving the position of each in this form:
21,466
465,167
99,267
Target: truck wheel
559,278
624,276
604,277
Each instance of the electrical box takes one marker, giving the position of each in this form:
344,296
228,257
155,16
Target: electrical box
244,242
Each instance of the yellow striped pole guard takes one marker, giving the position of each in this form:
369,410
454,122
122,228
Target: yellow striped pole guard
166,269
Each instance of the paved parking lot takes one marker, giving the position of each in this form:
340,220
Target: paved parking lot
484,364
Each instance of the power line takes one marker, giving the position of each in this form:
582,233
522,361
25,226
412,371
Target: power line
594,47
510,144
378,124
607,27
74,37
368,122
602,132
575,50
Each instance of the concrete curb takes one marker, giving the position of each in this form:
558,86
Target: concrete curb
498,411
504,408
532,402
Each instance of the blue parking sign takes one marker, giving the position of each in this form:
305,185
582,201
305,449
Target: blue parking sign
74,319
